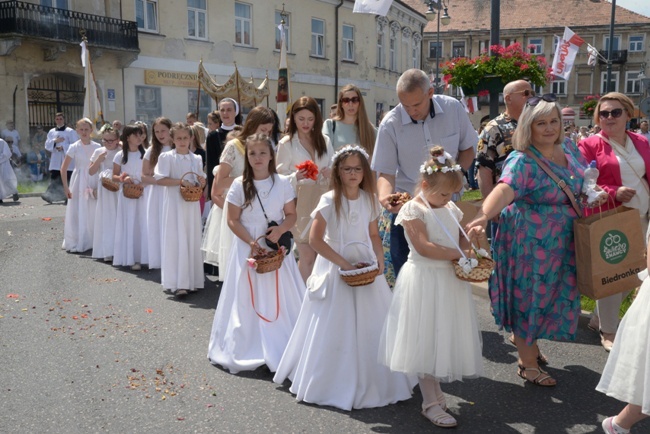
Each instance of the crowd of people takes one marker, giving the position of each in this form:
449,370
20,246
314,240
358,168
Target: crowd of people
339,198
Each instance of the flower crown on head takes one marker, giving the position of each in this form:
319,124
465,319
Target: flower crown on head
349,148
442,159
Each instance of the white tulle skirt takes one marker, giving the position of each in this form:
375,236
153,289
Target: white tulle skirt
432,325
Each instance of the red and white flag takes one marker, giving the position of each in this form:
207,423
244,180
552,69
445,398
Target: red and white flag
377,7
565,54
470,103
593,55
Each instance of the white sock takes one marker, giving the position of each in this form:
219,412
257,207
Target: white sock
618,429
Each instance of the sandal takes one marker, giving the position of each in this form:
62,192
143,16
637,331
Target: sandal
539,379
438,416
541,358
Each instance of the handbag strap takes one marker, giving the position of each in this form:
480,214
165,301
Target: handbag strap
444,228
263,210
560,182
626,156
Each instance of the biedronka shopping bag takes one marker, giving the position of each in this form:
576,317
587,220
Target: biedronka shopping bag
609,252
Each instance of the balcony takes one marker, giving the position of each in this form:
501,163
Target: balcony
618,56
22,19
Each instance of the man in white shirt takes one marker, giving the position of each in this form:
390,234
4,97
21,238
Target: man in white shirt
644,130
406,134
12,137
58,141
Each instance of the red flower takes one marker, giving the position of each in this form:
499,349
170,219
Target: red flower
310,168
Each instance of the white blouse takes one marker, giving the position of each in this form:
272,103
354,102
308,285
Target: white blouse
291,153
632,174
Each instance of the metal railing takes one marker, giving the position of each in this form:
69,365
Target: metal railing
618,56
33,20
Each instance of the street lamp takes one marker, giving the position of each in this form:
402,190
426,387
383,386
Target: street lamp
445,19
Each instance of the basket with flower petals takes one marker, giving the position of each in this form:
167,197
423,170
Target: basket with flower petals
265,261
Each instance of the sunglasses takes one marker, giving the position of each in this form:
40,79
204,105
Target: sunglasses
548,97
527,92
353,100
616,113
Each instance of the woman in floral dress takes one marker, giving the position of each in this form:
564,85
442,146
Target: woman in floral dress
533,287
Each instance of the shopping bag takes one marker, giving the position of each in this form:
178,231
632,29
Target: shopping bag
609,252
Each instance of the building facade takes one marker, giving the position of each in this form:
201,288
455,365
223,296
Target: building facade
536,25
146,54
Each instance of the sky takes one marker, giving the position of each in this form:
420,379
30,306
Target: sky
639,6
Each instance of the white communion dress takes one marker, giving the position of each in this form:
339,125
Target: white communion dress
106,212
432,325
241,340
154,214
331,358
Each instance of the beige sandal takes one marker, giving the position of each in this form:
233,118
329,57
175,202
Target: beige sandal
438,417
539,378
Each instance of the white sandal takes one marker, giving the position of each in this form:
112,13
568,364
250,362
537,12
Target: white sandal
439,417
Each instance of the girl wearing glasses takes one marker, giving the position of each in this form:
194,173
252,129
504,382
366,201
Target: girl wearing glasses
82,192
106,213
623,159
350,125
533,287
331,357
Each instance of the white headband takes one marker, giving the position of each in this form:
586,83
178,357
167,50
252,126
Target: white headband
349,148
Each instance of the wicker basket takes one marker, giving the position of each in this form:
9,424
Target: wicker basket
193,193
270,261
480,273
109,184
361,276
132,191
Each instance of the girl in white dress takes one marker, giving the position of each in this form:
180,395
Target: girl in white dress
161,141
218,237
331,358
131,248
8,180
256,312
102,164
305,142
182,265
82,192
431,330
626,376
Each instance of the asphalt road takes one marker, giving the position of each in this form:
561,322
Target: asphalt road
86,347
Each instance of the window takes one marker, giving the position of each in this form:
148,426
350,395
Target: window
243,24
558,87
146,15
348,43
458,49
278,40
148,104
380,48
536,45
603,82
321,105
616,45
416,53
556,41
484,46
393,51
196,13
632,82
317,37
636,43
59,4
205,105
435,50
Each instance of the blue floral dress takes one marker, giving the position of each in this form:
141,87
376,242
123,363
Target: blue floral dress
533,287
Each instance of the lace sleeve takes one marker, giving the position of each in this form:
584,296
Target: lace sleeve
410,211
228,156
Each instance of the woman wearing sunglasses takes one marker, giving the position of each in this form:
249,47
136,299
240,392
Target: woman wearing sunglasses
623,159
350,125
533,287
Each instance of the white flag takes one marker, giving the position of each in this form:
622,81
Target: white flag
565,54
92,107
377,7
593,55
282,97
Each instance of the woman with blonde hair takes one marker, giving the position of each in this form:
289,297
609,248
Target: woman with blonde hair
623,160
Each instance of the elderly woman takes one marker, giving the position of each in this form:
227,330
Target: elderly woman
623,159
533,288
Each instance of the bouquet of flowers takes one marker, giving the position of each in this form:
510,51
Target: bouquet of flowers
310,168
508,63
